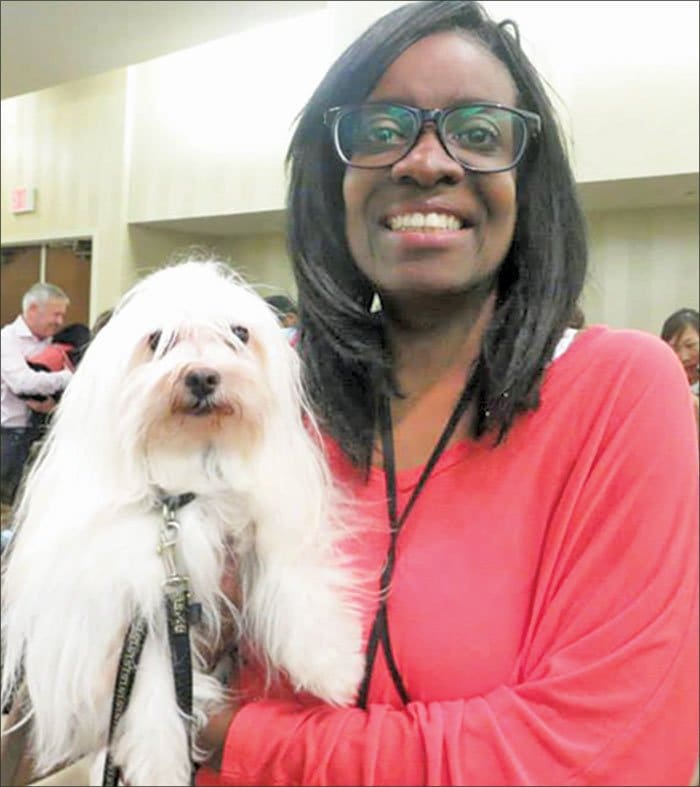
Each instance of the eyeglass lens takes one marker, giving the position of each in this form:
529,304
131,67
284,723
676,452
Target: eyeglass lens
483,138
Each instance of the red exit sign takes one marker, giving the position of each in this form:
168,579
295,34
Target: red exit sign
22,200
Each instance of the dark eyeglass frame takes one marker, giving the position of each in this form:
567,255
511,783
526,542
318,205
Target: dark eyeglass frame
333,116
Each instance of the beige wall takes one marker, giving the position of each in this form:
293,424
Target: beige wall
210,125
624,78
644,266
264,262
151,248
68,142
261,259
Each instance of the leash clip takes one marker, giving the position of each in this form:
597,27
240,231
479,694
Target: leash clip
169,533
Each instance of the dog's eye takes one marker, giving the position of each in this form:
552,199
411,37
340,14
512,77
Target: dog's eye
153,340
241,332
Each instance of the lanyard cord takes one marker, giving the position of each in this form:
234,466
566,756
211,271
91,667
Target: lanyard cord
380,627
126,674
178,613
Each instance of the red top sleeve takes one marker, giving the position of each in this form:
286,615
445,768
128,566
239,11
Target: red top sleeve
53,357
544,613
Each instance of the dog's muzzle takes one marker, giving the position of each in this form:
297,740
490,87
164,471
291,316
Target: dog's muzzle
202,383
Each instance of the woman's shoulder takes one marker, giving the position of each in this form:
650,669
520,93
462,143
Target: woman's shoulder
615,372
599,348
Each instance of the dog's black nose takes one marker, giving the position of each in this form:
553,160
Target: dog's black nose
202,382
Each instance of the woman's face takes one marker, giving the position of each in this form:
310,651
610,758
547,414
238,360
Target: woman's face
686,345
436,72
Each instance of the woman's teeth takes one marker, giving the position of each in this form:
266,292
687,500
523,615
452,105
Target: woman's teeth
423,222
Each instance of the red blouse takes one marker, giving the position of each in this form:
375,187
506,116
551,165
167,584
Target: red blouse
544,606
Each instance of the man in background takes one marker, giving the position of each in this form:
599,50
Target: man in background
43,312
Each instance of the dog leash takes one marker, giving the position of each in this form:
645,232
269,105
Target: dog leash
180,614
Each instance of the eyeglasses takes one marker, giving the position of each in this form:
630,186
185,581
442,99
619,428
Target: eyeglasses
483,137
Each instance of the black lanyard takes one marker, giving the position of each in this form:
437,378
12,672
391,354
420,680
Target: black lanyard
126,674
380,627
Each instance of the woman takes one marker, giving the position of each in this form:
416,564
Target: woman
682,332
540,617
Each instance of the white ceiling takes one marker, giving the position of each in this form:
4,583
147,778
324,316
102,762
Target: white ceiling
47,42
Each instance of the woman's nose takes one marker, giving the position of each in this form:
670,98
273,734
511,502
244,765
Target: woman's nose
428,163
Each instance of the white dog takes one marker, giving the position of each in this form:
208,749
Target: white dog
191,388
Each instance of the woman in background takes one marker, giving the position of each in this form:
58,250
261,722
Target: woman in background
682,332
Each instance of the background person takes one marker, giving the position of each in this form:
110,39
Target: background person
287,314
532,510
100,321
65,352
43,311
681,331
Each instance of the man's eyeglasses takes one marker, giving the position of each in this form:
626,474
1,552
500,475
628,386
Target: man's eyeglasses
482,137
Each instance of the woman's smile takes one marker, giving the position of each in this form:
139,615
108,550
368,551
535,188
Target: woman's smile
410,227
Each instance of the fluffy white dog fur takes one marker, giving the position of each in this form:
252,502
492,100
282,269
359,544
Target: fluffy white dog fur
85,557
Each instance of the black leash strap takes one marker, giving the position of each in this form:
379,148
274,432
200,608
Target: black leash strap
179,612
128,663
177,607
177,604
380,627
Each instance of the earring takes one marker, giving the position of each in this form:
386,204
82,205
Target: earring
376,304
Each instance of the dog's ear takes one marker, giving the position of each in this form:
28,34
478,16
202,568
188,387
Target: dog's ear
291,470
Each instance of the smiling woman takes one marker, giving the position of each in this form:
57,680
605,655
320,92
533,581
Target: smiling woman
682,332
526,493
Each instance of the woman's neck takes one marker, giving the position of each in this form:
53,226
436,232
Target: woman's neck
437,339
433,350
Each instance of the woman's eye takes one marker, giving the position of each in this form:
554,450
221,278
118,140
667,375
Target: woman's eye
153,340
241,332
382,134
477,137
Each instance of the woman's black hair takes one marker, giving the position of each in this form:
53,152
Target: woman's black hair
341,343
76,334
679,321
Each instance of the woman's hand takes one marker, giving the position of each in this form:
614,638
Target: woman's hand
213,736
42,407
